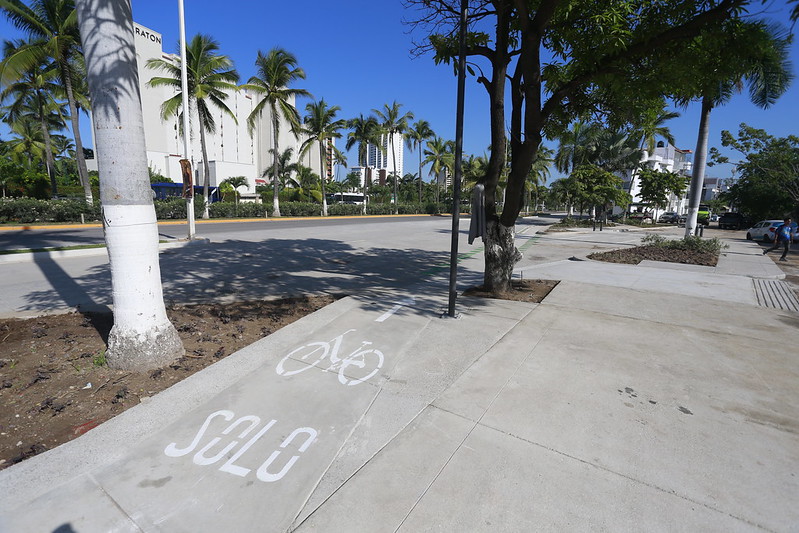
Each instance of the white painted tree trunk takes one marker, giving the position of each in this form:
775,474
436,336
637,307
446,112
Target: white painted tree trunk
142,336
698,171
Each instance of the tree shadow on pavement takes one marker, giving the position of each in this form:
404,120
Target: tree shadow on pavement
245,270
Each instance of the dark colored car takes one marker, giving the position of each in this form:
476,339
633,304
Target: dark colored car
732,221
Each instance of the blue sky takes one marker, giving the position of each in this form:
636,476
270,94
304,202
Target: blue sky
356,55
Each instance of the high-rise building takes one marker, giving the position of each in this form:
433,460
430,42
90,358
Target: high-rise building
383,159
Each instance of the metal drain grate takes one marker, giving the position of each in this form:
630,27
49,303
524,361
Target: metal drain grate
776,294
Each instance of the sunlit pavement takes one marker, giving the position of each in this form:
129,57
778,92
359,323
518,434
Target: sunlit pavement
651,397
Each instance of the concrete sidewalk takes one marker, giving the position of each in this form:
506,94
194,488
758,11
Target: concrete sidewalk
651,398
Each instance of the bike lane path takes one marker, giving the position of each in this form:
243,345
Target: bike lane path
252,455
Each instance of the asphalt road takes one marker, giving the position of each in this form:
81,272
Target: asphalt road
35,237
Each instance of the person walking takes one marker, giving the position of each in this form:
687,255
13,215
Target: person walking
782,236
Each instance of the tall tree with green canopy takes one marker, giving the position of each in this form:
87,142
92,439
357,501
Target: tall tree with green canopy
142,336
559,60
34,90
209,76
276,70
577,146
768,184
415,137
52,27
393,121
440,155
321,126
364,131
657,185
753,53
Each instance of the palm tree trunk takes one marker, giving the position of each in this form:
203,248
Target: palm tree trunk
83,173
420,171
206,171
275,180
366,173
698,171
142,336
394,159
48,153
322,177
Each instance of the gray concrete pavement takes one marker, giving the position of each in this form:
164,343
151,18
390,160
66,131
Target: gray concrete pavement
653,398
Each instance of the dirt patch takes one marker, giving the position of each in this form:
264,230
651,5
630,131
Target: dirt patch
55,386
633,256
525,290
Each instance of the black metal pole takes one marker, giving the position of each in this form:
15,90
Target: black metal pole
456,186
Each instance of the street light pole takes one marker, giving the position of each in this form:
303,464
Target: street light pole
456,186
184,87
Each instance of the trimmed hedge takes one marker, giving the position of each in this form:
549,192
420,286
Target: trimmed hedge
30,210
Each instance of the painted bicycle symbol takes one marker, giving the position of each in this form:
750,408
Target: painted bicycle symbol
364,362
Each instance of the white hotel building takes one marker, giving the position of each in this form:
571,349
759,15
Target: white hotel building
232,150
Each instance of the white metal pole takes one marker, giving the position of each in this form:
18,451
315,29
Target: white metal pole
184,87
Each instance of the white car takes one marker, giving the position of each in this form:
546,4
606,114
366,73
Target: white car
765,230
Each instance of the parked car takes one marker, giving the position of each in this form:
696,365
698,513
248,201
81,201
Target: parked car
682,220
669,217
766,229
732,221
644,218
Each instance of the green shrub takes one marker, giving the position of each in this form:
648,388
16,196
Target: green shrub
338,210
300,209
693,242
175,208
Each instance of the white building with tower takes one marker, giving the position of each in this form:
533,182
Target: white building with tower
232,150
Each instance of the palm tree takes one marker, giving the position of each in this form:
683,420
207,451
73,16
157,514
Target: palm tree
758,56
27,142
539,172
321,127
393,122
236,182
209,76
142,336
52,27
284,168
651,125
416,136
34,91
439,153
578,146
276,71
364,131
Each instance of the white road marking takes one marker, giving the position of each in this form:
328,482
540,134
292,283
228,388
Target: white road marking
387,314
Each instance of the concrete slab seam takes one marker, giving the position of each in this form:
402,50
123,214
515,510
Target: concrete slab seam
344,443
625,476
113,501
478,421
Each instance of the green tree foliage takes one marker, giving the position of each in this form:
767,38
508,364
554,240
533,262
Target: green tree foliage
416,137
393,120
656,186
209,76
321,126
768,186
594,187
557,61
52,29
277,69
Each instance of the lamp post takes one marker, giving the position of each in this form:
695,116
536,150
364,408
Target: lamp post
184,87
456,186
